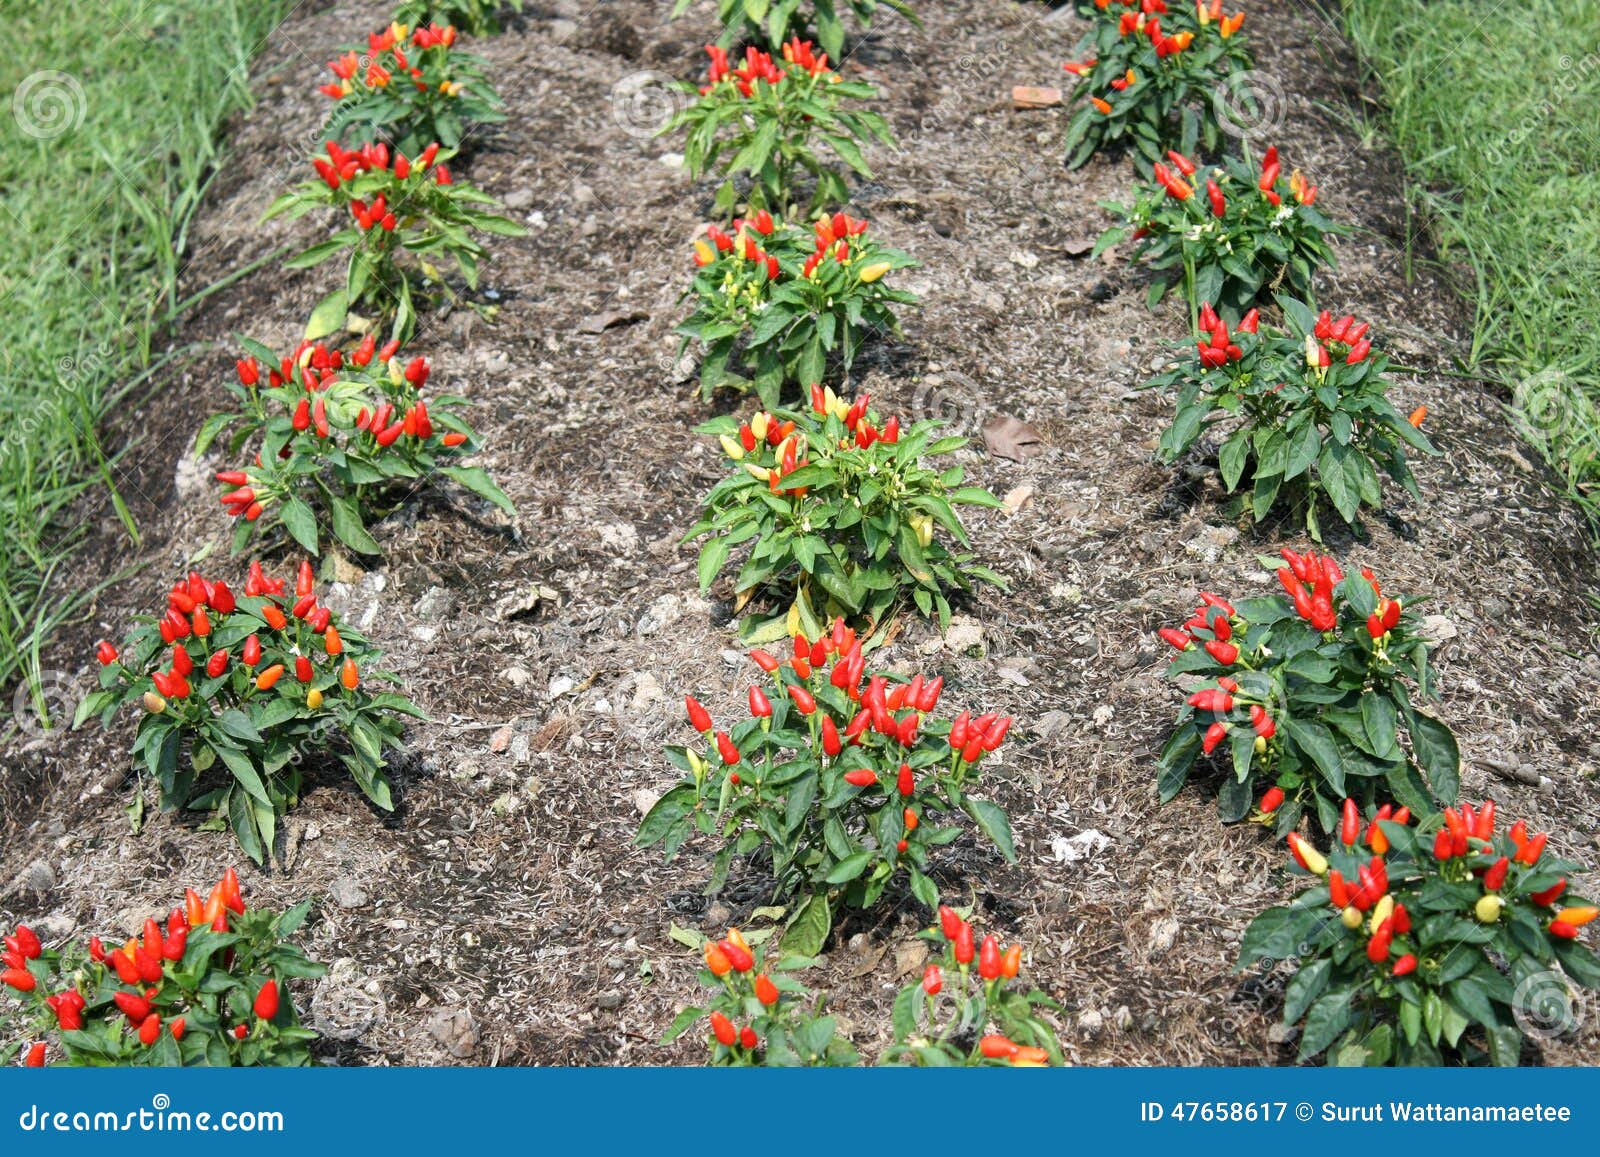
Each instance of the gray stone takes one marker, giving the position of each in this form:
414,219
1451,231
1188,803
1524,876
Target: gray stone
455,1030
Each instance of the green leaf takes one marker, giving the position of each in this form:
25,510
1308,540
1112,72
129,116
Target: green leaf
1303,990
348,527
992,822
850,867
807,930
1438,754
1327,1018
1316,741
328,317
300,521
712,556
477,480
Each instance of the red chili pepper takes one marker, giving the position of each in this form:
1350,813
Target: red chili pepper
1272,800
1350,824
27,942
19,978
803,700
1564,931
150,1030
963,943
1338,890
175,944
748,1037
1484,828
760,706
722,1028
1550,894
699,717
1494,879
905,780
133,1006
726,749
861,778
949,921
932,979
1378,946
1405,966
766,991
997,1047
1530,852
266,1006
831,743
1219,204
1214,735
989,958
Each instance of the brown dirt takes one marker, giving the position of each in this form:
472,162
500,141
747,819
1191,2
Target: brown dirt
505,884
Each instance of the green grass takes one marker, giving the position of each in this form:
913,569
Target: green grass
1493,109
107,139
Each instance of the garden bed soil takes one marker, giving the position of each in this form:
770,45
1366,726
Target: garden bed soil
505,885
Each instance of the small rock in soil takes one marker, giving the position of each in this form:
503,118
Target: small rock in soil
1163,935
455,1030
610,999
38,877
346,893
517,676
500,740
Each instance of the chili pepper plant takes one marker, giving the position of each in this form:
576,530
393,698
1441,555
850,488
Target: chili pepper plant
340,440
839,783
237,691
1308,698
409,92
775,303
757,1013
775,21
1305,407
411,223
769,118
837,507
968,1007
211,988
474,17
1148,74
1419,942
1233,234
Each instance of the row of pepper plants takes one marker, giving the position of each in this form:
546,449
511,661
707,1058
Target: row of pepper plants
839,781
240,685
1425,932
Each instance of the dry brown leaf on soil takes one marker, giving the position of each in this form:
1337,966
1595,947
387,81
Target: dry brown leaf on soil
611,319
1008,437
1029,96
